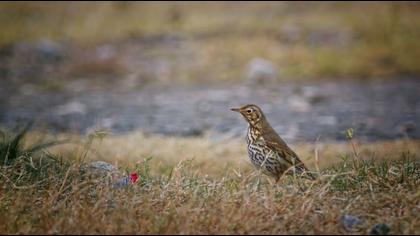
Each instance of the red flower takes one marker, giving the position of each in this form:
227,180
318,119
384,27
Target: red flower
134,177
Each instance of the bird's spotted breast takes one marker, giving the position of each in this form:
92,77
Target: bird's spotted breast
260,155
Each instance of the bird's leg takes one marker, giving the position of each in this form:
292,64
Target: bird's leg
301,186
274,182
278,179
270,181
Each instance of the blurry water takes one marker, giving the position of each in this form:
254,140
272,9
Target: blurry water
376,109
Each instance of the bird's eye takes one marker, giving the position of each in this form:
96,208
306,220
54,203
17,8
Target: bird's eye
248,111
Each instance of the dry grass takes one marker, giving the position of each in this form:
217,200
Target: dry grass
212,155
194,185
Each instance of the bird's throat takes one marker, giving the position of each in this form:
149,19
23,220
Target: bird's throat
254,132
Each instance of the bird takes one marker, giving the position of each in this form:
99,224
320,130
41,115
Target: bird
266,150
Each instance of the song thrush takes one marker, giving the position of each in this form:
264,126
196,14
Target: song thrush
266,149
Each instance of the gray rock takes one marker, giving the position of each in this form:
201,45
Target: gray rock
124,181
49,50
77,86
103,170
380,229
260,70
327,120
406,128
105,52
113,177
71,108
102,166
107,122
341,38
291,33
299,104
28,89
350,223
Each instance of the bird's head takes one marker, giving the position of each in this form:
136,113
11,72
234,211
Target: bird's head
252,113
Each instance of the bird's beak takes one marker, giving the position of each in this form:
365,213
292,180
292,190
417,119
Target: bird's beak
235,109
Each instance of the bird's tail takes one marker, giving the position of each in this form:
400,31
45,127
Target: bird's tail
309,175
304,172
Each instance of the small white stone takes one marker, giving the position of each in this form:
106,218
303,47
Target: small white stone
261,70
103,166
299,104
327,120
71,108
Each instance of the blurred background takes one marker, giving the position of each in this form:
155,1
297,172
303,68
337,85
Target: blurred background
175,68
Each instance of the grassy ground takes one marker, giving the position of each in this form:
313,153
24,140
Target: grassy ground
305,40
194,185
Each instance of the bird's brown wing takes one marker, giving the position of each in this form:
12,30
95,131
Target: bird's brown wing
276,143
273,141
